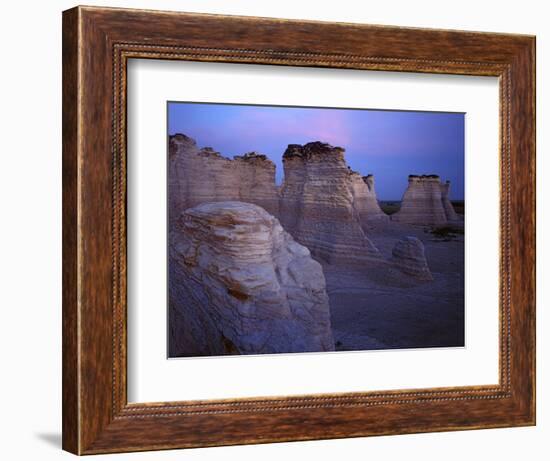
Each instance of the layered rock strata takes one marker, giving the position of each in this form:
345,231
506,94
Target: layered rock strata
317,204
364,199
408,256
198,175
426,202
240,284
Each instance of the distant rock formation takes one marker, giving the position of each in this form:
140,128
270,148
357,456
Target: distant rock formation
426,202
257,181
240,284
364,199
317,204
447,205
408,256
204,175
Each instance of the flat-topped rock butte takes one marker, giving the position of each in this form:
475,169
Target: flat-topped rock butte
240,284
426,202
317,204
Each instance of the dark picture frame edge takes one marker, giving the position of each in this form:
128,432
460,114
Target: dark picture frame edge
97,42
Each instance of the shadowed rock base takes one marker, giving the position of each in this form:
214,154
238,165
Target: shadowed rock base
240,284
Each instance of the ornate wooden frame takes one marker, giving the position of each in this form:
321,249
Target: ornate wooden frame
97,43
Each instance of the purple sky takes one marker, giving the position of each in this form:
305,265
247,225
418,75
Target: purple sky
389,144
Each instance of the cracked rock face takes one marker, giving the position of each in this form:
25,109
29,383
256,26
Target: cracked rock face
408,256
317,204
240,284
203,175
426,202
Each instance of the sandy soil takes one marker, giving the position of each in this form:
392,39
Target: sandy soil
381,308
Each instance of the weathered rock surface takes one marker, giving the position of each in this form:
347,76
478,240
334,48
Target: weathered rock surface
364,199
317,204
240,284
426,202
203,175
447,205
257,181
408,256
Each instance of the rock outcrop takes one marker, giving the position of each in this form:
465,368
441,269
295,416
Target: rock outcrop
203,175
257,181
408,256
240,284
426,202
447,205
317,204
364,199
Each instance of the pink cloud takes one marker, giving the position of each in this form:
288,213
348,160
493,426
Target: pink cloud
294,125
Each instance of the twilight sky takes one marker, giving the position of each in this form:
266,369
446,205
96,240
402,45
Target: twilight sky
389,144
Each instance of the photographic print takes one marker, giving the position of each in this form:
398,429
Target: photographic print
313,229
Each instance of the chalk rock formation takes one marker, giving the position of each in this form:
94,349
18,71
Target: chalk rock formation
364,199
257,181
447,205
317,204
203,175
426,202
408,256
240,284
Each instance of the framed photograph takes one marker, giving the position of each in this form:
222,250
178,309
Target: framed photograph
281,230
